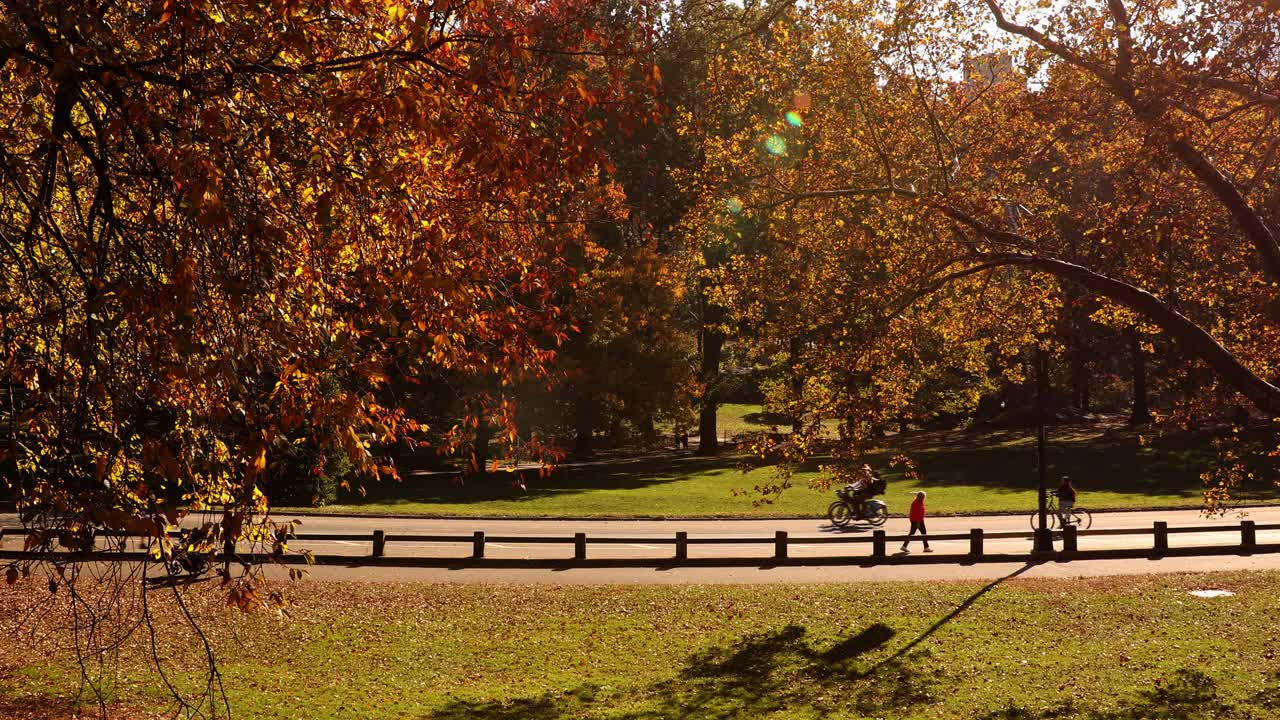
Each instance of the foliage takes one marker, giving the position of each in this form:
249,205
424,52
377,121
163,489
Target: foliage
225,225
923,230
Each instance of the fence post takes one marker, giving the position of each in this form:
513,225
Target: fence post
1161,530
477,544
682,545
1042,542
379,543
1248,533
579,546
975,542
780,545
877,544
1069,538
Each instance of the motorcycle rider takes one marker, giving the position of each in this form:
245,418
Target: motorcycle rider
861,490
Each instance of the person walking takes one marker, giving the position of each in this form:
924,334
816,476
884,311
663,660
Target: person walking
916,515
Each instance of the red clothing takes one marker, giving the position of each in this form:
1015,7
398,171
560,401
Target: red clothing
917,510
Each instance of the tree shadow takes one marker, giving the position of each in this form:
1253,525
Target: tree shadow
753,677
1190,695
1116,459
765,673
58,707
786,670
1101,458
620,474
959,609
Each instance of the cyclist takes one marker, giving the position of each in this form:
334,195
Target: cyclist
1066,499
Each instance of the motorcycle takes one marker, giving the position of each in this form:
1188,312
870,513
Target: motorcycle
853,505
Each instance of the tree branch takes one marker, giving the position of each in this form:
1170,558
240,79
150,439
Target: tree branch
1264,395
1152,113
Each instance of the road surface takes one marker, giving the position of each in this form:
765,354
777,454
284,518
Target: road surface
808,539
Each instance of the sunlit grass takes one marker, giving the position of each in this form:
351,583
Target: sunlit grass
1102,649
963,472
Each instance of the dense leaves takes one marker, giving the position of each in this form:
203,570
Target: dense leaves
929,190
225,225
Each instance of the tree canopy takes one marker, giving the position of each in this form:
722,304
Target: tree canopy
255,239
225,225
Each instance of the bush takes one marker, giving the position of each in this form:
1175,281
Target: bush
297,482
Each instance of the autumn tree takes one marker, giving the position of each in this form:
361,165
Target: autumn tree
224,225
969,188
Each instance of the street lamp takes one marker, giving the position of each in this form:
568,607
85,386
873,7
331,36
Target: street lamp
1044,540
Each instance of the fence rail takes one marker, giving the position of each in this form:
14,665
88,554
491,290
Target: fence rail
1069,537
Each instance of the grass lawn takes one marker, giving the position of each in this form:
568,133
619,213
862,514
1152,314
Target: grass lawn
963,472
1121,648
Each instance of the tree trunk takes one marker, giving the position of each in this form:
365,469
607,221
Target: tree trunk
712,343
480,453
1141,414
1190,386
647,429
797,387
584,422
1079,381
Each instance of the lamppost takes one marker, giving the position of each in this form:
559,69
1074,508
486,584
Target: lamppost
1044,539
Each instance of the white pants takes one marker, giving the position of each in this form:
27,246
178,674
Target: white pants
1064,511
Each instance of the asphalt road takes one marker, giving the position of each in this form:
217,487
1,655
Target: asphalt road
651,540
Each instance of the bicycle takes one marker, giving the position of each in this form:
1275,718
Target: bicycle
1079,517
190,556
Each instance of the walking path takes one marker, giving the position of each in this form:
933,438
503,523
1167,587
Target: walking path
644,537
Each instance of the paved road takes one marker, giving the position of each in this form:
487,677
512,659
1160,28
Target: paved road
645,540
645,532
787,574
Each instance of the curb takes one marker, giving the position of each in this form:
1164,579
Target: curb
311,512
763,563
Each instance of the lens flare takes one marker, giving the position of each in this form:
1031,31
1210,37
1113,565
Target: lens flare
802,100
775,145
794,120
733,205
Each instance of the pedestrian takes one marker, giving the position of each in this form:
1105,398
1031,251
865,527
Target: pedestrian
917,523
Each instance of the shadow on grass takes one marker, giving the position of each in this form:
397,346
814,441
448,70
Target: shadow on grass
51,707
1098,458
1111,459
781,672
753,677
763,674
1189,695
1114,458
630,474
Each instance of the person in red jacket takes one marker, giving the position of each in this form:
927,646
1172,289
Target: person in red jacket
917,523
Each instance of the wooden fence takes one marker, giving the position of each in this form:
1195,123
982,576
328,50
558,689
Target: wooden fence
1070,539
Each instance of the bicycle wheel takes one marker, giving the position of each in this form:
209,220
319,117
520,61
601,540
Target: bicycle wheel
878,516
839,514
1050,519
1083,518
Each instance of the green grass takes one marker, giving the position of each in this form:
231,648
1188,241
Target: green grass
1124,648
733,419
963,472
